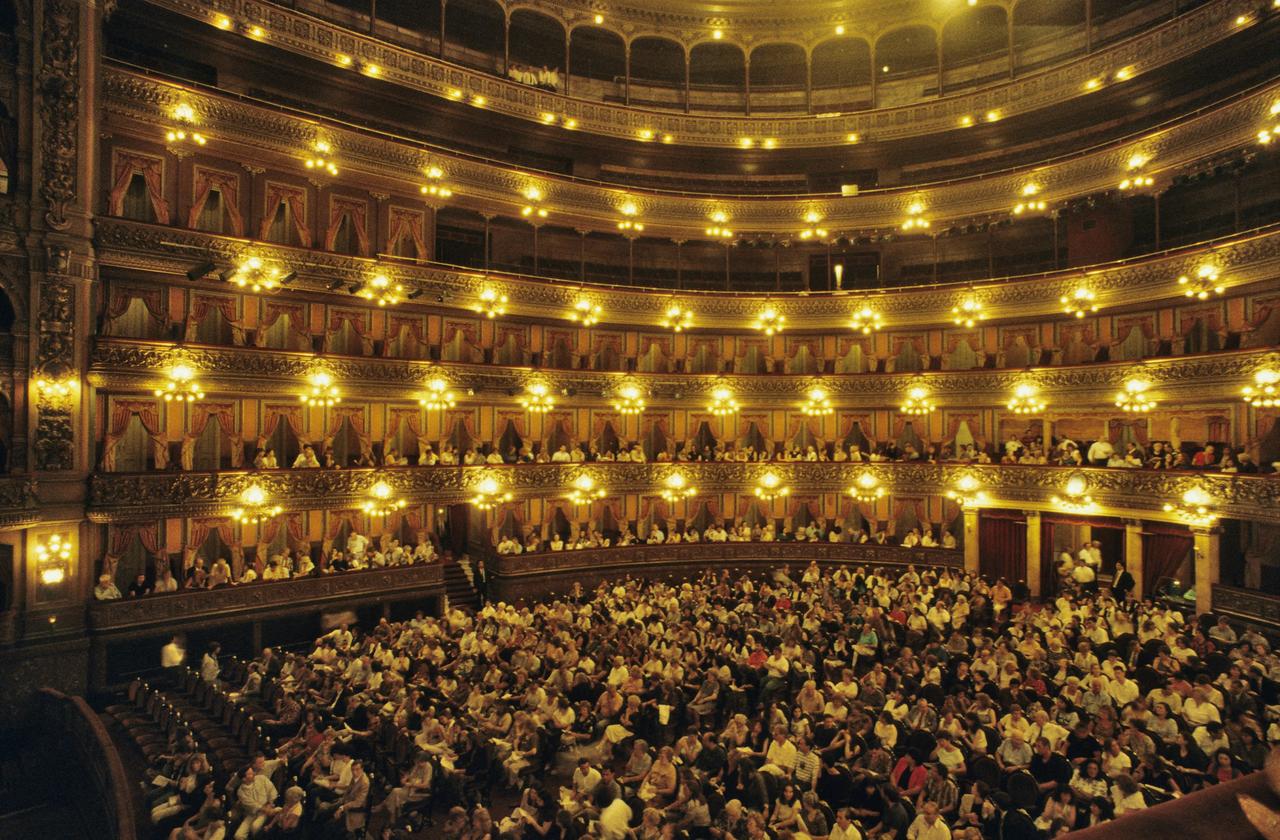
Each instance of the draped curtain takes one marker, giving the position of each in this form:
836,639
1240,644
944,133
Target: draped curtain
226,183
337,518
1163,552
200,307
398,326
396,416
295,536
406,223
122,411
292,414
272,312
812,504
223,414
198,532
295,199
128,164
1002,543
355,415
354,210
357,320
121,537
123,296
1116,428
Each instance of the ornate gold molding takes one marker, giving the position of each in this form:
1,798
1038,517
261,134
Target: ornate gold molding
1136,493
322,41
1253,258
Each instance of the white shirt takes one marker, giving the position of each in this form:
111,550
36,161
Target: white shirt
850,833
615,820
920,830
172,656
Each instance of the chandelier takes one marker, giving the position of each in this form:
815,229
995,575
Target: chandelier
57,389
382,501
181,387
1263,393
675,488
629,400
321,158
629,210
866,489
185,116
1266,135
538,399
489,495
435,186
53,558
1193,508
865,320
585,491
770,321
1026,400
1134,397
436,395
968,312
255,507
1075,498
256,276
813,231
1203,285
769,487
968,492
915,218
817,403
722,401
917,402
1080,302
534,196
717,230
677,318
321,391
1137,181
381,290
491,303
585,312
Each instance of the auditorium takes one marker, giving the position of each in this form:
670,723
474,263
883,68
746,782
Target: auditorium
639,419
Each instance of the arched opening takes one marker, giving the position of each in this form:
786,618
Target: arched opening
460,238
420,17
779,75
841,74
473,33
704,439
1113,10
659,63
608,440
597,54
510,443
346,445
1043,23
975,47
717,74
908,51
212,449
536,42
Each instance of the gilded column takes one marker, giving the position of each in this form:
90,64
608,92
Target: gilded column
971,550
1133,554
1033,552
1206,566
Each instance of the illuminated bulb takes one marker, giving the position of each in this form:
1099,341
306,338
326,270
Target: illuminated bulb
865,320
181,387
382,291
491,303
1265,390
630,400
722,402
770,487
717,34
599,19
646,134
853,137
1134,398
585,312
1026,400
917,402
570,123
677,318
437,396
840,29
1204,285
966,121
746,142
1124,74
668,138
548,118
344,60
538,399
866,489
222,22
991,116
769,321
1080,302
967,313
585,491
675,488
321,391
817,402
478,100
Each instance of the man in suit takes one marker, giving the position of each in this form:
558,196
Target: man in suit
347,814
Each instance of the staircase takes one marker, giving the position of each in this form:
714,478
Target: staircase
458,586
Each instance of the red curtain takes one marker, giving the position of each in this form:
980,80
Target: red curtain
1163,552
127,165
200,306
411,416
357,320
120,537
122,411
398,326
223,415
226,183
355,415
1002,545
123,296
296,199
272,312
354,210
406,223
292,415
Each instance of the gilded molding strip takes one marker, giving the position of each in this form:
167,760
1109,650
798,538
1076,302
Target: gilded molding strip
137,103
115,497
308,36
1246,603
1252,258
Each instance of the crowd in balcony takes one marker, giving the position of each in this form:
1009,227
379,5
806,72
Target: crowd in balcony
851,704
547,78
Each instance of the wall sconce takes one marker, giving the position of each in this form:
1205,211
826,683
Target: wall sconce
381,290
677,318
722,401
1134,397
865,320
1203,285
968,312
491,303
1193,508
676,487
817,402
917,403
1026,400
629,399
585,491
585,312
436,395
253,274
53,559
1265,390
1080,302
57,389
770,321
321,158
538,398
968,492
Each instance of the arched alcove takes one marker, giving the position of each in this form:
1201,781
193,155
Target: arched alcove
657,61
536,40
421,17
717,75
976,35
1041,21
774,70
842,69
906,51
473,33
598,54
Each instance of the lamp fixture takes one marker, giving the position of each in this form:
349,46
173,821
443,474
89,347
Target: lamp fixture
489,495
435,186
534,195
1203,285
1137,180
817,402
813,231
629,211
968,312
585,312
675,488
1134,397
1266,135
255,275
915,217
1075,498
968,492
629,399
585,491
382,501
769,487
181,385
769,320
1080,302
491,303
1265,390
866,489
1026,400
321,158
865,320
1193,508
57,388
718,229
381,290
255,507
53,558
917,402
722,401
677,318
321,391
185,116
436,395
537,398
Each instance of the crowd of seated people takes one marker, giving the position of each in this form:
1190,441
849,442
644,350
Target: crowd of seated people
665,533
888,704
547,78
359,554
1159,455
